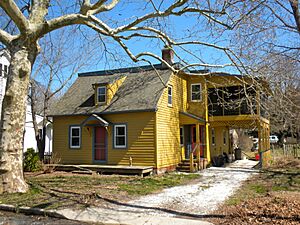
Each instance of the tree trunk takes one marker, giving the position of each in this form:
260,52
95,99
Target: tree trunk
12,123
40,139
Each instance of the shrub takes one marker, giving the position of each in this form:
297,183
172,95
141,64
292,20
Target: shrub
32,162
51,163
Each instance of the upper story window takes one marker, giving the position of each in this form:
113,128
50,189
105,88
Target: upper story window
196,92
120,136
170,93
75,137
101,94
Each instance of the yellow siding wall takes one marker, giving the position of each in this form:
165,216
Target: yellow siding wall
61,141
219,147
196,108
141,140
167,125
112,89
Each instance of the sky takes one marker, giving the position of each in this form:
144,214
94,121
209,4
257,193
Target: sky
79,49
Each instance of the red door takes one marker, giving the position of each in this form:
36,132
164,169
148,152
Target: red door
100,144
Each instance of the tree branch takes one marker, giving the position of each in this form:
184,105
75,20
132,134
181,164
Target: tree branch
13,11
295,7
5,37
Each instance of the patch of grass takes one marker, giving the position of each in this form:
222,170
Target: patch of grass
52,191
258,188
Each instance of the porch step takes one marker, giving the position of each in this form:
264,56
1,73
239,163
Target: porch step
184,166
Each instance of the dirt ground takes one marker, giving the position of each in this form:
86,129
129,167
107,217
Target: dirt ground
272,197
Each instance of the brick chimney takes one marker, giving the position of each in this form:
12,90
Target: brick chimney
167,55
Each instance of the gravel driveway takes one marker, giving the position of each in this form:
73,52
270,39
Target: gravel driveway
195,200
189,202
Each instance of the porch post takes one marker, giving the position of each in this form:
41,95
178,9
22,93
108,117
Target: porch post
198,144
260,142
207,148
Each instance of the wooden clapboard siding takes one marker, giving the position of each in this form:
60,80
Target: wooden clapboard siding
167,123
196,108
112,89
218,148
61,148
141,139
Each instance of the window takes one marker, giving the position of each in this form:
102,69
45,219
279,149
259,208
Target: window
213,136
224,137
196,92
120,136
75,137
101,94
181,136
1,70
170,95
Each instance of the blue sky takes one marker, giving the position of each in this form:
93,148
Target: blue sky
85,43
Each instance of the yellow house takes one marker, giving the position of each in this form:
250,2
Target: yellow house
149,116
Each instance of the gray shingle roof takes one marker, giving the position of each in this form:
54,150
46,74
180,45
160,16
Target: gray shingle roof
140,91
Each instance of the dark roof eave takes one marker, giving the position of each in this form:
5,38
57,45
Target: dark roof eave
105,113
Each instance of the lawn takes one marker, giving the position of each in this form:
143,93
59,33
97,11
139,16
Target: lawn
271,197
59,190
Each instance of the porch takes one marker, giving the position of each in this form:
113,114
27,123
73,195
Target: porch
193,143
104,169
250,122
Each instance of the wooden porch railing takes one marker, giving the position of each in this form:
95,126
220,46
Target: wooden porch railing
192,168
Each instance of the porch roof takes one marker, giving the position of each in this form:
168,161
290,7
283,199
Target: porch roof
238,121
186,118
95,118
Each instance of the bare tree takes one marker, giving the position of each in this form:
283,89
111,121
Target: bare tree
53,62
209,27
41,17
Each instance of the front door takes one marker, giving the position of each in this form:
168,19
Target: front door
99,144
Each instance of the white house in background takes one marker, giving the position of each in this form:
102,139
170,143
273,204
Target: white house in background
29,137
4,65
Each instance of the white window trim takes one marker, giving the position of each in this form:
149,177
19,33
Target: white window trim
182,144
115,136
200,100
71,136
169,86
98,94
